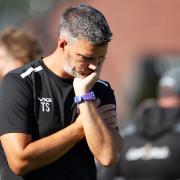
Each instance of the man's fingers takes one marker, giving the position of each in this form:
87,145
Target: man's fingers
111,122
97,102
106,107
109,114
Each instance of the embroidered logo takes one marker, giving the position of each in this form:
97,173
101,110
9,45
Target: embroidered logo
45,104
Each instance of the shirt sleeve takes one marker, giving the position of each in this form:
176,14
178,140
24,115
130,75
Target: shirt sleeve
106,102
16,105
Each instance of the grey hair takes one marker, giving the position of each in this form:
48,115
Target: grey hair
85,22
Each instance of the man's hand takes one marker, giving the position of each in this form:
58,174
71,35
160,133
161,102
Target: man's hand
84,85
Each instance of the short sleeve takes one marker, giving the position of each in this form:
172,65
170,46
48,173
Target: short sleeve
16,105
106,102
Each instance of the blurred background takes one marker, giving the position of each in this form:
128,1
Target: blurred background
146,40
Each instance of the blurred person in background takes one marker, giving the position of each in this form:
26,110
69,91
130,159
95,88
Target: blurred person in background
17,47
151,142
57,115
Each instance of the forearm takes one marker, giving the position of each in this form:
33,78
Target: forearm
47,150
104,142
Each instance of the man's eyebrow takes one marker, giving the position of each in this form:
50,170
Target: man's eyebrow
86,56
89,56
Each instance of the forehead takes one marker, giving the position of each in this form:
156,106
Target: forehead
87,48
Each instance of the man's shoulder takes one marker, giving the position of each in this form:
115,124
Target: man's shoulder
21,75
102,85
27,69
104,92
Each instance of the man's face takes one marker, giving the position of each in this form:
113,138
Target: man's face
79,55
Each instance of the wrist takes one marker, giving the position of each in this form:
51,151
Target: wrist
80,92
90,96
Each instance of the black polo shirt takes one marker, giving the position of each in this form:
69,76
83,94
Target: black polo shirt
36,101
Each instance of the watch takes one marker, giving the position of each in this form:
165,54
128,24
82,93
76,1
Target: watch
90,96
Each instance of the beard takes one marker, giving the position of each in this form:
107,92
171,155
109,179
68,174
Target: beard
80,73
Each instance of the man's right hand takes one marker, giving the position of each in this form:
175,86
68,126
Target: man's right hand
84,85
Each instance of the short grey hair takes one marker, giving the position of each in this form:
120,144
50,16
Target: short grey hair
85,22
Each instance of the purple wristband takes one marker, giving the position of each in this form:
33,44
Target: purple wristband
90,96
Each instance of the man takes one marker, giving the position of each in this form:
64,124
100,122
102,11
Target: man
151,143
17,48
56,115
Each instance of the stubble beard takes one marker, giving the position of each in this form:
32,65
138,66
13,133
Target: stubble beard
71,71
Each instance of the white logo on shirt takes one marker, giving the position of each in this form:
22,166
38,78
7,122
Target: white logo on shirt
148,152
45,104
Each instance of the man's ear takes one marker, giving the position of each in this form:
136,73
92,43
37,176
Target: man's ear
62,43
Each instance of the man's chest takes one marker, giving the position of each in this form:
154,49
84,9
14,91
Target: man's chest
54,109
